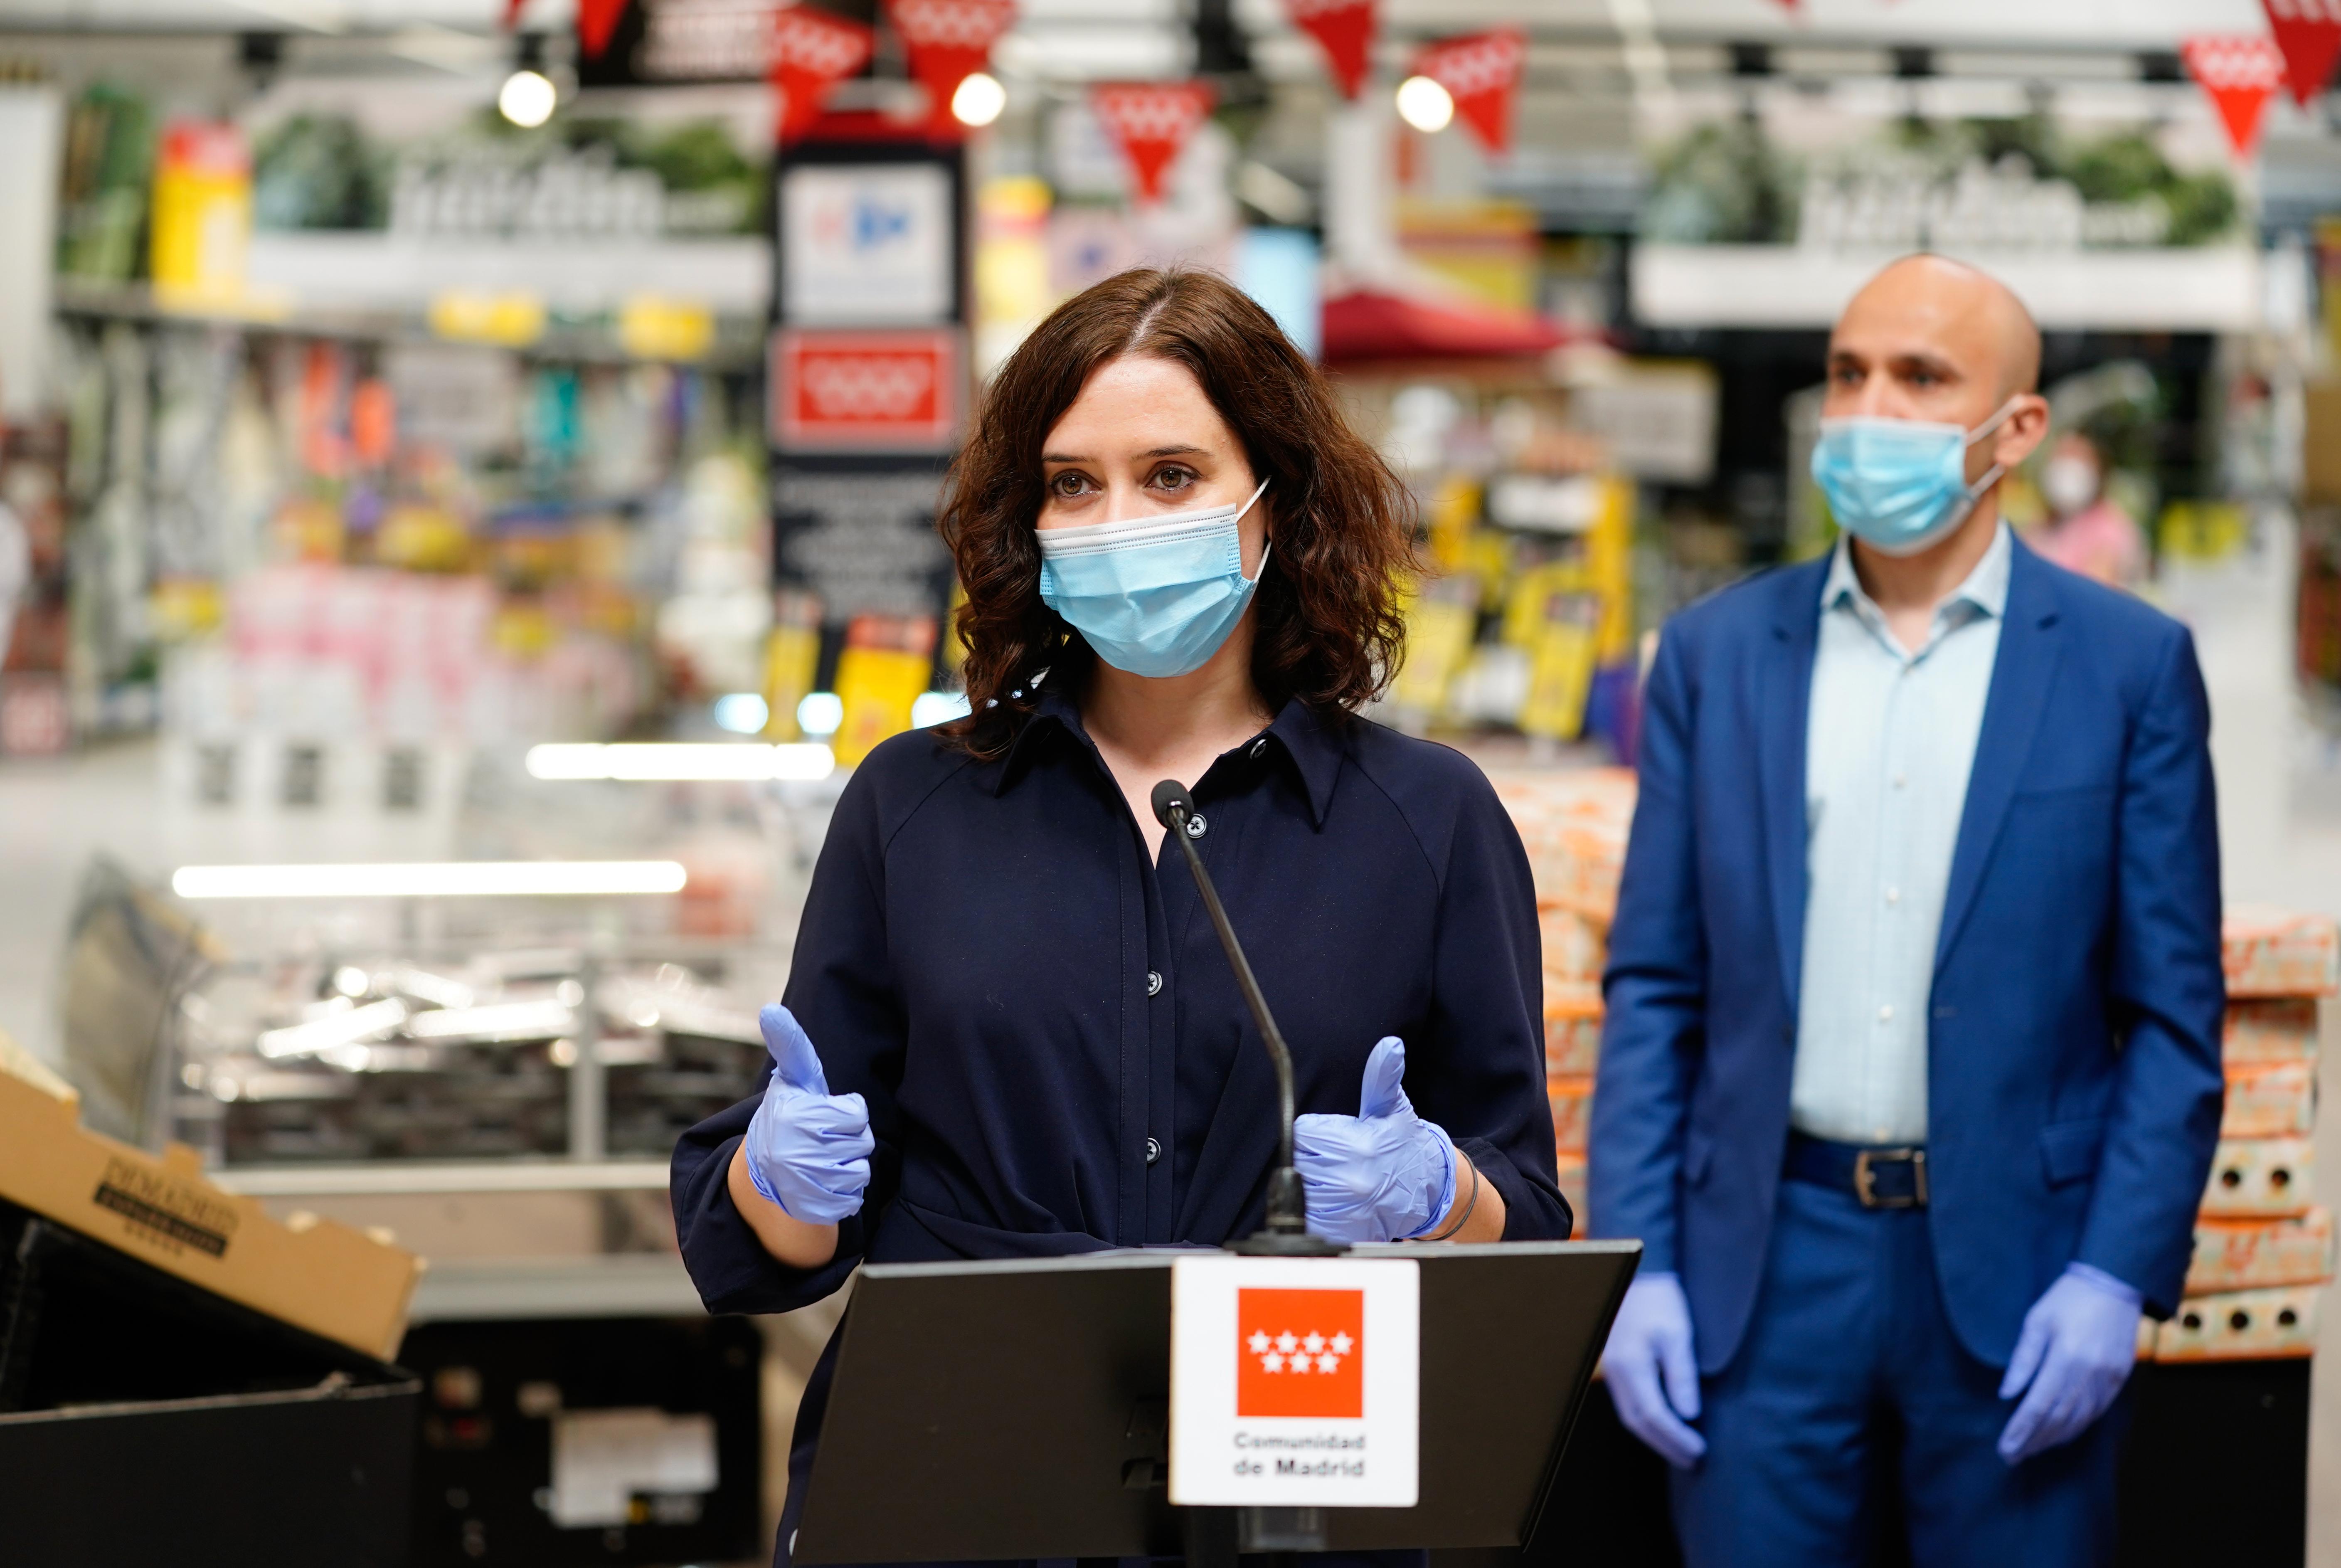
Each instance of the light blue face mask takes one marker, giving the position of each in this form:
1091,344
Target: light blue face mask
1153,595
1900,485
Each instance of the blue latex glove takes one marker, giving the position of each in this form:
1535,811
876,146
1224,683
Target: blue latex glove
1384,1175
808,1149
1652,1376
2079,1344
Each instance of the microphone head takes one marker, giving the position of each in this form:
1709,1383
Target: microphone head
1170,795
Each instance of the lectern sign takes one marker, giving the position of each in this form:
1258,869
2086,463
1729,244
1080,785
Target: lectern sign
1294,1382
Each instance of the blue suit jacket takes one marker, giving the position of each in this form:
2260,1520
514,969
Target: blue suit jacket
2073,1063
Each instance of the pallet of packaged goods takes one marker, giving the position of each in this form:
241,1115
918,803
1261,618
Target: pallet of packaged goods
2236,1325
2264,1029
1573,825
2259,1178
2270,1100
1572,1027
2260,1253
2276,953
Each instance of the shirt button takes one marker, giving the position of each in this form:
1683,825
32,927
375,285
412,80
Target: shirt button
1899,780
1153,983
1886,1014
1196,826
1153,1151
1893,895
1259,747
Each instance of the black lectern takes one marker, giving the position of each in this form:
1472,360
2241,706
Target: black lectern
1017,1409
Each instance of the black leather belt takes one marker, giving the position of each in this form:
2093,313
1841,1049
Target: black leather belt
1881,1178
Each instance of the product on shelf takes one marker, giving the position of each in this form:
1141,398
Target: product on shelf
2259,1176
1572,1027
2270,1100
2269,1029
2251,1254
2237,1324
1572,1110
2275,953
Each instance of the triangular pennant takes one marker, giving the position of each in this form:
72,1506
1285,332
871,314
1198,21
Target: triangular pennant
2308,34
948,41
812,51
1345,30
596,21
1482,73
1151,121
2238,72
513,8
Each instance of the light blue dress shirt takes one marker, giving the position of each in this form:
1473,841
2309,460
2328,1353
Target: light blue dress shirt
1891,739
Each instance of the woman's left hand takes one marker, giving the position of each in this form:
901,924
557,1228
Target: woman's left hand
1384,1175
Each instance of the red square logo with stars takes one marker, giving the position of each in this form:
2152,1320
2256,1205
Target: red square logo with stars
1300,1353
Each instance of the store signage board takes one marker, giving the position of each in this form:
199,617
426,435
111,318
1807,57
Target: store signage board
867,244
1295,1382
658,43
897,391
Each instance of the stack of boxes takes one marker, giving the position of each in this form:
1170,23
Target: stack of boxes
1574,825
2263,1250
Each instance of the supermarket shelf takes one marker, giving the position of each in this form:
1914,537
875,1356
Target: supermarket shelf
2214,288
392,1179
624,1285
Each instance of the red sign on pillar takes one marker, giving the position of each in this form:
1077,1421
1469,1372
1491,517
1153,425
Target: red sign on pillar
2238,72
947,41
2308,34
1344,29
596,21
813,51
1151,121
1482,73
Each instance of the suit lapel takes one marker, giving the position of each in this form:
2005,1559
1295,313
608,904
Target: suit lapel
1783,698
2022,675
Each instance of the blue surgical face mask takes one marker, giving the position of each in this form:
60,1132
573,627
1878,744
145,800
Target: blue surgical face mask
1153,595
1900,485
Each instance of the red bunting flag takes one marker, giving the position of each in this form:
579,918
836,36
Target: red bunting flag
1152,121
2238,72
1482,73
1345,30
947,41
596,21
2308,33
812,51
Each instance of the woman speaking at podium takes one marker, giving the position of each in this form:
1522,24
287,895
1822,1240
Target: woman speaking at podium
1010,1030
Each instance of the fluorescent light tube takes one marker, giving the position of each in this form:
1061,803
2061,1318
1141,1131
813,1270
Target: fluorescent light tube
423,879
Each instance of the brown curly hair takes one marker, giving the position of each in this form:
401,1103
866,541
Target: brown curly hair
1329,631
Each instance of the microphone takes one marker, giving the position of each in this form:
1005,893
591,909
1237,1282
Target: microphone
1286,1230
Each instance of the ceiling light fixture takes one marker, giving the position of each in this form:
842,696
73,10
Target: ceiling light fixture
1425,104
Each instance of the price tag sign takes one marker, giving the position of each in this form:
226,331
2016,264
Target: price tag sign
1295,1382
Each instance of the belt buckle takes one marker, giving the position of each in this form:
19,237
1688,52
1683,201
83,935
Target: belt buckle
1865,1178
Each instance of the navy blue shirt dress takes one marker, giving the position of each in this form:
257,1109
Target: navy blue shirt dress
1023,982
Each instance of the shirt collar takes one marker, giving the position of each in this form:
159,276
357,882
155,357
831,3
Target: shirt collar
1312,745
1985,588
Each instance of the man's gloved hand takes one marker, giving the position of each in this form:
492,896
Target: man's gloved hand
808,1149
2079,1344
1653,1377
1384,1175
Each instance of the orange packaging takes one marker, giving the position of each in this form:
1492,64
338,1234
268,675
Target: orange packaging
2260,1177
2270,1029
2270,1100
2237,1326
1572,1181
2254,1254
1573,947
1573,825
1572,1027
2278,952
1572,1112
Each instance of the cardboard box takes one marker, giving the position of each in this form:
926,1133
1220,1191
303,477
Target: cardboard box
2277,953
2269,1029
1574,826
1572,1181
324,1277
144,1420
1574,951
1572,1112
2270,1100
1572,1028
2254,1254
2259,1176
2238,1324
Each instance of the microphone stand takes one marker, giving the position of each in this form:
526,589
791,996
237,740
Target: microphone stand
1286,1232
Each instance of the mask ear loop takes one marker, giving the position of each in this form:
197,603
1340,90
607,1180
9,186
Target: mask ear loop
1265,544
1993,474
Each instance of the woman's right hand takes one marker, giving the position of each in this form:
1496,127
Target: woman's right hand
806,1150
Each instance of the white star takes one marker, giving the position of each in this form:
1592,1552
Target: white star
1342,1343
1286,1342
1300,1363
1271,1362
1313,1343
1259,1343
1327,1362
